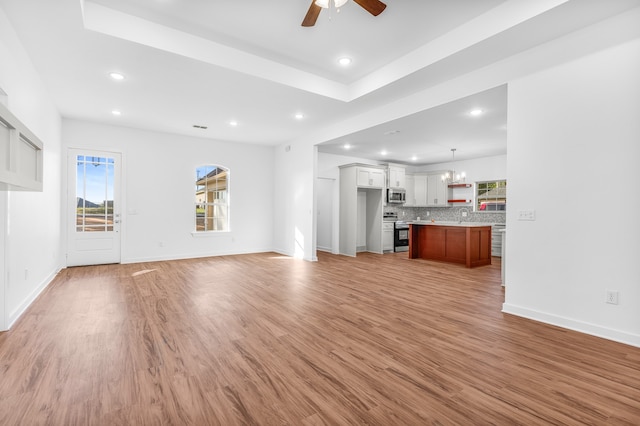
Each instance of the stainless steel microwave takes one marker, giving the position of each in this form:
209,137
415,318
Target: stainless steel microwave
396,196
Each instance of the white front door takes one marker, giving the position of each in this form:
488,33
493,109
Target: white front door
94,207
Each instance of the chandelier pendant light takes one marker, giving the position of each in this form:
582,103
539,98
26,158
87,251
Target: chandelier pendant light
453,177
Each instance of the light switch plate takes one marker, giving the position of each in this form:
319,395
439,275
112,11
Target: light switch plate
526,215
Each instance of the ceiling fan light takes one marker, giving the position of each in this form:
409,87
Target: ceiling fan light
339,3
323,3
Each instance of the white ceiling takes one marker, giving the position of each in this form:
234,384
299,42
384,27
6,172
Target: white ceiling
429,136
208,62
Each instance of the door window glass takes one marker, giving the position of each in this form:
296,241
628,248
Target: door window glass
94,194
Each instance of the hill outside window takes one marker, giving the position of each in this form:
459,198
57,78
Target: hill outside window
212,198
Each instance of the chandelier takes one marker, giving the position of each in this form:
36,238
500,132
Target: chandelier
452,176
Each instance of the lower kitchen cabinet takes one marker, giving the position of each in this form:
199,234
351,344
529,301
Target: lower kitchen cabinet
387,236
496,239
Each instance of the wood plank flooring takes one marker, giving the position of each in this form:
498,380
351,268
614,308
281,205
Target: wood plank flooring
264,339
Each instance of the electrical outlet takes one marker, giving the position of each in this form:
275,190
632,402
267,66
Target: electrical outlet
612,297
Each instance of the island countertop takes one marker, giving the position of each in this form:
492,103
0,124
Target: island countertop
445,223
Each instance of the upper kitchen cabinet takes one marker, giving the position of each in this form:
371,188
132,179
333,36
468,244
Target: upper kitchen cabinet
369,176
437,191
430,190
420,190
20,155
410,191
397,176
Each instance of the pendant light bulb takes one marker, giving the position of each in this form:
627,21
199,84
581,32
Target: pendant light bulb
325,3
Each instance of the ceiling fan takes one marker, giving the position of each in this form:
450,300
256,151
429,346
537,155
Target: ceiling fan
374,7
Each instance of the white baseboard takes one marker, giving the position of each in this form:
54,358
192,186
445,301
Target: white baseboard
192,255
17,312
572,324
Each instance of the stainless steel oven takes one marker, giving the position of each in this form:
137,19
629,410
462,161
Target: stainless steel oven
401,236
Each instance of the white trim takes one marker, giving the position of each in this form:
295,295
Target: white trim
210,234
17,313
572,324
194,255
4,218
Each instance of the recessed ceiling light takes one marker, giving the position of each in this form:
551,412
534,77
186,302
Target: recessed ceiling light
116,76
383,152
345,61
116,112
414,158
299,116
346,146
233,123
475,112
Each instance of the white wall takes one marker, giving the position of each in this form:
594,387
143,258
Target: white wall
573,148
294,226
158,190
30,233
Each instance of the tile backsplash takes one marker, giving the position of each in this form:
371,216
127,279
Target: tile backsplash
447,214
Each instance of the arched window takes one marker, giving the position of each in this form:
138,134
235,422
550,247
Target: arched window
212,198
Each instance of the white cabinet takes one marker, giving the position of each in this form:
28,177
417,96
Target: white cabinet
429,190
397,176
496,239
370,177
437,191
420,188
409,186
361,200
387,236
21,155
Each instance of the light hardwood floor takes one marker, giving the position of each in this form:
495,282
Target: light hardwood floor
267,340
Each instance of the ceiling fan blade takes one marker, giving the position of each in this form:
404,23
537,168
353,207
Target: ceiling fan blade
312,15
374,7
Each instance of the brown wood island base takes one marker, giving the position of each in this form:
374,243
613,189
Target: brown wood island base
465,243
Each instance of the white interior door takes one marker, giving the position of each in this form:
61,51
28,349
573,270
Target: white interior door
94,207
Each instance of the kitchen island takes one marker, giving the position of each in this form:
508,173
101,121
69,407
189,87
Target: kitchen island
467,243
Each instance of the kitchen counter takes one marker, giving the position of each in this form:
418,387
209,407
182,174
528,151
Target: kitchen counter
468,243
444,223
